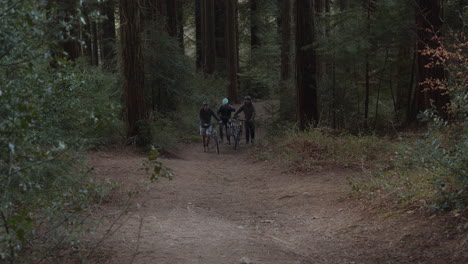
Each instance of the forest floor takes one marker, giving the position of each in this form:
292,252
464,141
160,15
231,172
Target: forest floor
231,208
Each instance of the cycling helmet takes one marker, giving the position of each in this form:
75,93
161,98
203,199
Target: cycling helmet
206,102
225,101
247,97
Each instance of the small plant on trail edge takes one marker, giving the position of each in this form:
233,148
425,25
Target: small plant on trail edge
155,168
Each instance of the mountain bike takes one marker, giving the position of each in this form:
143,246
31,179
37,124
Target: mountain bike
214,136
235,129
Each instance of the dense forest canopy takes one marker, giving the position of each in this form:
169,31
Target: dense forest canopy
79,74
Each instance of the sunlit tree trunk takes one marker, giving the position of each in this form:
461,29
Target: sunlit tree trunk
306,64
133,67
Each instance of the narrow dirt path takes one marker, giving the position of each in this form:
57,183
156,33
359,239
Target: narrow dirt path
228,208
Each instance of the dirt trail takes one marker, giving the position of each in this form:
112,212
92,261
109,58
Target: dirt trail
228,208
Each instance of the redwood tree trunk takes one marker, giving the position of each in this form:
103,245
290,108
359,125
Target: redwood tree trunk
133,66
208,36
254,21
231,48
171,17
221,21
198,35
285,30
306,64
429,15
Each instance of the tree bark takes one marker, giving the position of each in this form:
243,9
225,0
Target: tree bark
369,6
429,23
306,64
171,18
285,30
95,49
198,34
208,36
221,20
133,67
254,21
232,48
180,23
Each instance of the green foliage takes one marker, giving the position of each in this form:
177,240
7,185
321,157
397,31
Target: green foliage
434,172
155,168
168,72
49,116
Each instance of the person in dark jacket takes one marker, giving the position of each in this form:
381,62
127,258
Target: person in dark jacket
205,124
224,112
249,113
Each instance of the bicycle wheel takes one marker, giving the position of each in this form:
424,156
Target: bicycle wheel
216,143
237,140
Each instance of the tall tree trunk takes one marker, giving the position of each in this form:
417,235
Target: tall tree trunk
232,48
254,23
429,15
285,30
208,36
220,34
108,34
343,4
180,23
369,6
172,18
95,49
306,64
198,34
133,67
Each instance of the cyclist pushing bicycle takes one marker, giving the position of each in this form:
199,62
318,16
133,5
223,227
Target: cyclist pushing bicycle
224,112
249,113
205,124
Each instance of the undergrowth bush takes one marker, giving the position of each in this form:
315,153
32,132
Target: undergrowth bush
51,113
434,172
315,148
